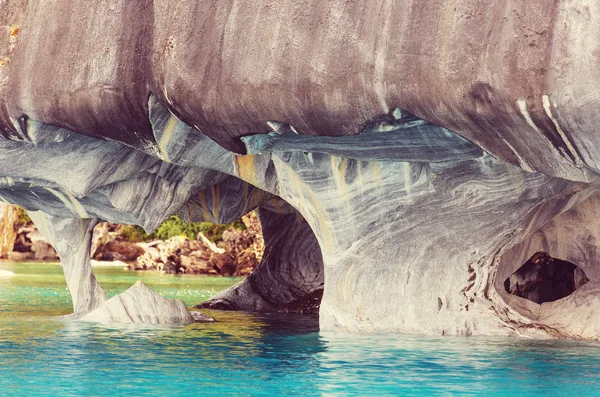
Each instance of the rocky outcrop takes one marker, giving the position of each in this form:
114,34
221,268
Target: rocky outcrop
408,221
29,244
8,217
211,66
178,255
237,254
140,305
121,251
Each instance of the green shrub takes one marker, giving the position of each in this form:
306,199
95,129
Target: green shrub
22,217
175,226
133,233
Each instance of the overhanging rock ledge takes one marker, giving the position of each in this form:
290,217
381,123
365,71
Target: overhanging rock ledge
405,158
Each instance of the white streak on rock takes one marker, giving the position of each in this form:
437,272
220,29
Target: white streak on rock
521,160
166,137
70,204
548,109
79,210
522,104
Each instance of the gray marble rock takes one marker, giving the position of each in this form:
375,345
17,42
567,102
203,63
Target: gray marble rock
398,246
129,112
140,305
72,239
531,101
202,318
291,268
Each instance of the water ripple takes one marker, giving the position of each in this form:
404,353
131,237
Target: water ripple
246,354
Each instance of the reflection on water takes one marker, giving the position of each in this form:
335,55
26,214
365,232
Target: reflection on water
251,354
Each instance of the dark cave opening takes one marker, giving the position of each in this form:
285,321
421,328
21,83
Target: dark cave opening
290,276
545,279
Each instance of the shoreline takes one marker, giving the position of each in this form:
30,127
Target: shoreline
112,265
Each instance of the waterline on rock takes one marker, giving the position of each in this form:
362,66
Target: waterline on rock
256,354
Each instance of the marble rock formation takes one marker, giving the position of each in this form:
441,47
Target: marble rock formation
8,234
140,305
406,157
290,271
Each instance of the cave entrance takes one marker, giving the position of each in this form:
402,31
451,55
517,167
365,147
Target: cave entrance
289,277
543,278
276,249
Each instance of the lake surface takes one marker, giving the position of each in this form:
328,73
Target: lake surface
251,355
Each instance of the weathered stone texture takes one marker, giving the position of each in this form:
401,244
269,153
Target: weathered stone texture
140,305
8,234
130,111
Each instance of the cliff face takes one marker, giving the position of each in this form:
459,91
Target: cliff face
8,218
129,111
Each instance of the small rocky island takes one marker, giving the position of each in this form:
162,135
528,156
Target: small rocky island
405,159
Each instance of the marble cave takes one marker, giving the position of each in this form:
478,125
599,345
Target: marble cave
425,167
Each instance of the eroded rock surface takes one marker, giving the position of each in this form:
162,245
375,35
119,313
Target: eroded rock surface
72,238
140,305
409,222
8,234
290,275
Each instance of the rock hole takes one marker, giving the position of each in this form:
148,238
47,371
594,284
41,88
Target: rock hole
545,279
290,275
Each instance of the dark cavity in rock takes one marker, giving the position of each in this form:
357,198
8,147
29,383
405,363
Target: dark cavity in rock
545,279
308,304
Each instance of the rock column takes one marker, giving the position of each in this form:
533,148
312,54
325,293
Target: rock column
72,239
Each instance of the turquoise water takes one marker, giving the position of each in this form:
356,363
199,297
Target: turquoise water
251,355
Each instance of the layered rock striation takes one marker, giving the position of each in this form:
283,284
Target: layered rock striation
140,305
406,159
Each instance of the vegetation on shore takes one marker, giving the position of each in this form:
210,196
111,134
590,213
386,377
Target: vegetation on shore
174,247
175,226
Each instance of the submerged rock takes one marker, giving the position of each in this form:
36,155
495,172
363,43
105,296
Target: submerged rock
202,318
140,305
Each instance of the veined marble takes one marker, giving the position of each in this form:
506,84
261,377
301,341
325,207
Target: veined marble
405,158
